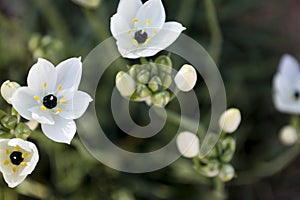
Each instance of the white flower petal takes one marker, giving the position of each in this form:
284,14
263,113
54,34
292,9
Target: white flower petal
69,73
125,84
152,11
230,120
166,36
42,72
188,144
118,26
289,66
13,179
126,47
128,9
76,105
288,135
186,78
22,100
62,131
41,116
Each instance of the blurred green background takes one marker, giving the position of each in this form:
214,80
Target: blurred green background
255,35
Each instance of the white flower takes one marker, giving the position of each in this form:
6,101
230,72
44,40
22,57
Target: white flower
18,158
7,90
288,135
125,84
141,30
230,120
188,144
52,98
286,85
186,78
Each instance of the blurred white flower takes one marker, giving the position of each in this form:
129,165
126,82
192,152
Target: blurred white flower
188,144
186,78
140,29
52,98
288,135
125,84
286,85
7,90
18,158
230,120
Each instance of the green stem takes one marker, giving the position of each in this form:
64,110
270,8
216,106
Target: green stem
216,35
219,188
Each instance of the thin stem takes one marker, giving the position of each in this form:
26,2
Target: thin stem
216,35
219,188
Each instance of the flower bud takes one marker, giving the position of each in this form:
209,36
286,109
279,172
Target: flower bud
125,84
188,144
154,83
230,120
143,76
7,90
22,131
288,135
164,60
32,124
210,169
161,99
186,78
226,172
227,147
9,122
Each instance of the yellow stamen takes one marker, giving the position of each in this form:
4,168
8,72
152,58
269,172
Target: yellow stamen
6,162
59,87
14,168
59,109
7,151
63,101
148,40
155,31
17,148
43,108
129,31
135,20
44,85
135,41
36,98
148,21
23,164
24,155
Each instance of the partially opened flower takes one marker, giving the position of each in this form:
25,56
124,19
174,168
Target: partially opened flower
230,120
186,78
188,144
286,85
7,90
52,98
18,158
141,30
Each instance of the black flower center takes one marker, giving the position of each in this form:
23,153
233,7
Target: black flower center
141,36
50,101
16,157
296,95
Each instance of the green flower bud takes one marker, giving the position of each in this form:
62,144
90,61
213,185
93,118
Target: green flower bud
9,122
143,76
226,172
4,134
2,114
167,81
143,92
227,148
22,131
125,84
154,83
166,61
210,169
161,99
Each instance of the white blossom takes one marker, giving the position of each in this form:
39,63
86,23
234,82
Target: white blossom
140,29
230,120
188,144
186,78
18,158
7,90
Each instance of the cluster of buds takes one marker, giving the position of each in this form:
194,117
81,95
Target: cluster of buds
217,162
152,82
45,47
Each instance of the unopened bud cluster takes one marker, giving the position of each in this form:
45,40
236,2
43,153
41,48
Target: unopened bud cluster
149,82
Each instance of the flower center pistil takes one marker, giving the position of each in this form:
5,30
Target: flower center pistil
16,157
50,101
140,36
